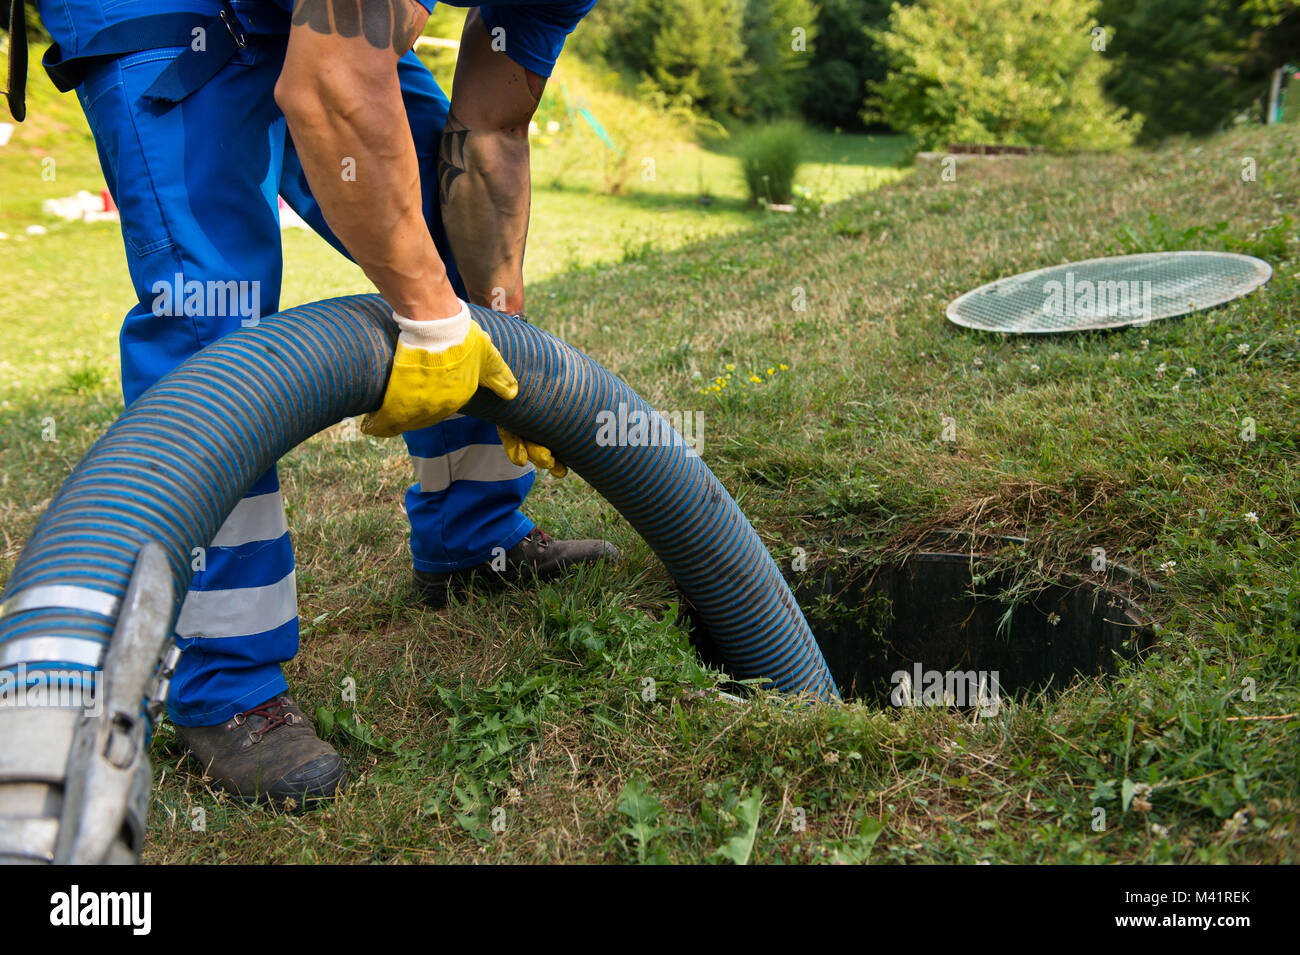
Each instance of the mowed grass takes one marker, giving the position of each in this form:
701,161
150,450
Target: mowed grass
74,276
520,726
676,193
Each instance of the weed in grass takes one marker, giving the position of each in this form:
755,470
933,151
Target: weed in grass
89,377
747,812
642,810
1270,242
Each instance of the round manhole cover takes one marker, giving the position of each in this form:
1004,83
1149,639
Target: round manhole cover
1111,292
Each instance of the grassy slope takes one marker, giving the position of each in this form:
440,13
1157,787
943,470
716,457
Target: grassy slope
532,702
74,274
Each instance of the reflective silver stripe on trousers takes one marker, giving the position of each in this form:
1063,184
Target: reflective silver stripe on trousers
258,518
474,462
239,612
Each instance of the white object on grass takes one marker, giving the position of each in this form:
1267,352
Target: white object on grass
83,207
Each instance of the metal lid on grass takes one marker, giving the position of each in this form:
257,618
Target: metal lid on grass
1111,292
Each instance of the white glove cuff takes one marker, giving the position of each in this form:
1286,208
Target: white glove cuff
437,335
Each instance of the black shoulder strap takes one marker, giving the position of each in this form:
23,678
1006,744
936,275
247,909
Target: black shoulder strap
16,94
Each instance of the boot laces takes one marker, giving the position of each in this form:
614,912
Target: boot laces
273,712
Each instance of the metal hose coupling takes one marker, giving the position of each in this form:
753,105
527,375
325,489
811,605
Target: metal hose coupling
77,789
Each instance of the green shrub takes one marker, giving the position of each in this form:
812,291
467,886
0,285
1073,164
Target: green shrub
847,58
777,60
1191,66
690,51
1001,71
769,160
574,155
724,57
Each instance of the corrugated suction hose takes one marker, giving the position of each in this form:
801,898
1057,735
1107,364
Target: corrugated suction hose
174,466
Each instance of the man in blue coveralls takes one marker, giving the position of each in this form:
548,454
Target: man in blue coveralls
203,112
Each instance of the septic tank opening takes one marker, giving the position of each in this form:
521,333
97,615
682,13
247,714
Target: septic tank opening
952,610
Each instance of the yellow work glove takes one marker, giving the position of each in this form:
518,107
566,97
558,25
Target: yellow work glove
437,368
521,452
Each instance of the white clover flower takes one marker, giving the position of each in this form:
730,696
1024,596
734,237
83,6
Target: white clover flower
1114,356
1034,368
1238,822
1168,566
1250,517
1160,370
1189,372
1243,348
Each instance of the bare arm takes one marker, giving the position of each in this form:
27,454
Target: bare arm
483,168
340,94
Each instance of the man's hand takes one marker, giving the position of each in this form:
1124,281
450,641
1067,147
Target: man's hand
340,94
437,368
521,452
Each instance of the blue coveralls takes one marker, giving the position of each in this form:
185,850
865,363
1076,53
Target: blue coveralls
196,182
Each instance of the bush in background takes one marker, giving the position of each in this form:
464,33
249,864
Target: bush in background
696,53
777,61
568,152
846,60
1191,66
769,160
724,57
999,71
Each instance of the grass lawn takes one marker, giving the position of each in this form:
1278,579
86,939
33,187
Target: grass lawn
575,222
525,709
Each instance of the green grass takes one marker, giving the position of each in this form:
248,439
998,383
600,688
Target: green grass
575,222
531,707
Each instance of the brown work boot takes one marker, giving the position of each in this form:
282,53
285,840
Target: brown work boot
267,754
538,555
